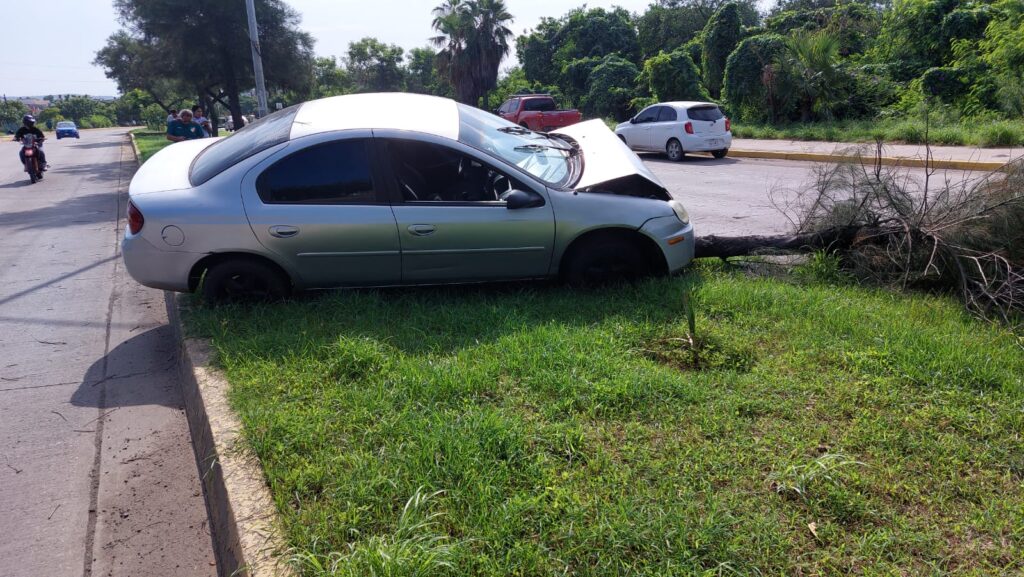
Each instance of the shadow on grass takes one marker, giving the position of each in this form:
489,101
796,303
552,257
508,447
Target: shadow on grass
421,320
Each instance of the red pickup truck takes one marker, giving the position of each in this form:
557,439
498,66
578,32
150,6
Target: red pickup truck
537,112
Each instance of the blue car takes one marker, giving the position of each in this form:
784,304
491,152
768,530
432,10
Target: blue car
66,129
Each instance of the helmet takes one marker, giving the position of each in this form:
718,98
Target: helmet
28,119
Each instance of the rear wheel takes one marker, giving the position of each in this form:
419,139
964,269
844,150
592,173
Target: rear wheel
244,280
720,153
603,261
674,150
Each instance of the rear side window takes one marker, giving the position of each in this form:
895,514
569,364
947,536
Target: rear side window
709,113
540,105
333,173
254,138
667,114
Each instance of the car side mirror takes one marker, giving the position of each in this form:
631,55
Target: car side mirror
516,199
632,120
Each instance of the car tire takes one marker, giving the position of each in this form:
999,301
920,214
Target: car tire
623,139
720,153
245,280
604,261
674,150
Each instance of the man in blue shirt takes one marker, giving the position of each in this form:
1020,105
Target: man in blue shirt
183,128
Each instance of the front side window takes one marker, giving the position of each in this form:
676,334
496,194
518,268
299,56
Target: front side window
548,158
707,113
648,115
254,138
334,173
429,172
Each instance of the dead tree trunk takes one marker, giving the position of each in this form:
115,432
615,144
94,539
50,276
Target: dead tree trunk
831,239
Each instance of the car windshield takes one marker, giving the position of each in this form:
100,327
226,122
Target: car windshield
544,157
65,125
254,138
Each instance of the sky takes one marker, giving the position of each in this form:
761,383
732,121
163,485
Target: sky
71,31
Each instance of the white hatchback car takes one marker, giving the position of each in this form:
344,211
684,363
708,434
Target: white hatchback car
676,128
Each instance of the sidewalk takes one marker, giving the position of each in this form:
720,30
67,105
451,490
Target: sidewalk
956,157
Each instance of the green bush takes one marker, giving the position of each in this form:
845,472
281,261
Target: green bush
744,86
1001,134
98,121
612,87
720,37
673,77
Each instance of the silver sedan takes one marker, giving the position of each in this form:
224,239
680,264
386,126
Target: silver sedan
396,189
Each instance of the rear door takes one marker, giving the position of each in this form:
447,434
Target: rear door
665,127
320,207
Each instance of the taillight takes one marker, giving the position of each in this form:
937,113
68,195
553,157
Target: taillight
688,127
728,124
135,218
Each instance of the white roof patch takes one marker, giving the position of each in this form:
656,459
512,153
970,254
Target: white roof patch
385,110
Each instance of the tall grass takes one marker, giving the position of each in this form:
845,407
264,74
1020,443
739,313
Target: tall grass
984,133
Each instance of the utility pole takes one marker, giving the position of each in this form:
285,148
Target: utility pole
257,60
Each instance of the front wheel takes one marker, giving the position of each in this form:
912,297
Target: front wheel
244,280
33,176
674,150
603,262
720,153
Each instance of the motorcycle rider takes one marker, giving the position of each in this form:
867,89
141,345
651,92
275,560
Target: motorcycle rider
29,127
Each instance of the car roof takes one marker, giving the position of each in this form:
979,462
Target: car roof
383,110
686,104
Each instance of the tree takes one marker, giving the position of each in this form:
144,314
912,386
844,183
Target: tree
422,76
374,66
536,51
329,79
76,108
751,85
1003,50
669,24
11,112
812,77
673,76
473,36
612,87
160,45
720,37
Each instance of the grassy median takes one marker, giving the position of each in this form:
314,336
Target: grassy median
982,133
150,143
534,430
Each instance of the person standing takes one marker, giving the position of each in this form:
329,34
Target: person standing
172,116
184,128
198,118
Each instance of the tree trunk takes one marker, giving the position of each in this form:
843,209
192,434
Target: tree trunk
834,239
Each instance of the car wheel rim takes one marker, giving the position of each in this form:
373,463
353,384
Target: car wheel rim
675,150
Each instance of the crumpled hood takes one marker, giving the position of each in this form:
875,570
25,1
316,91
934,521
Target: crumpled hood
605,157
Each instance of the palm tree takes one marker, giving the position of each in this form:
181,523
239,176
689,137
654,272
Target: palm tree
474,38
811,73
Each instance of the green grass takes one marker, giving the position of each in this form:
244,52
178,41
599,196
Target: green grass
149,143
822,429
984,133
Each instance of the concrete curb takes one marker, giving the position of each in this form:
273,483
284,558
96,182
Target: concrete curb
135,147
885,160
246,536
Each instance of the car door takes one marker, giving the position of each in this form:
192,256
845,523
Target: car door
452,223
640,137
319,206
665,128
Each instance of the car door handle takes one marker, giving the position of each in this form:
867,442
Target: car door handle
422,229
283,231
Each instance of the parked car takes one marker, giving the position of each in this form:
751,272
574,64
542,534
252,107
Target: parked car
66,129
676,128
396,189
537,112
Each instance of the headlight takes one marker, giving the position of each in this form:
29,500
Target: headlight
681,214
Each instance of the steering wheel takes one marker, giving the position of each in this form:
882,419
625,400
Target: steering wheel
498,184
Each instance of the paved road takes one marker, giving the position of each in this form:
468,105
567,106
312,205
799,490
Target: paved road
97,474
736,196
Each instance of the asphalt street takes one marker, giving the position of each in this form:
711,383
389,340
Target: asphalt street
746,196
97,474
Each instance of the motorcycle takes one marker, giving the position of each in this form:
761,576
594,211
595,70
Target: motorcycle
32,165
